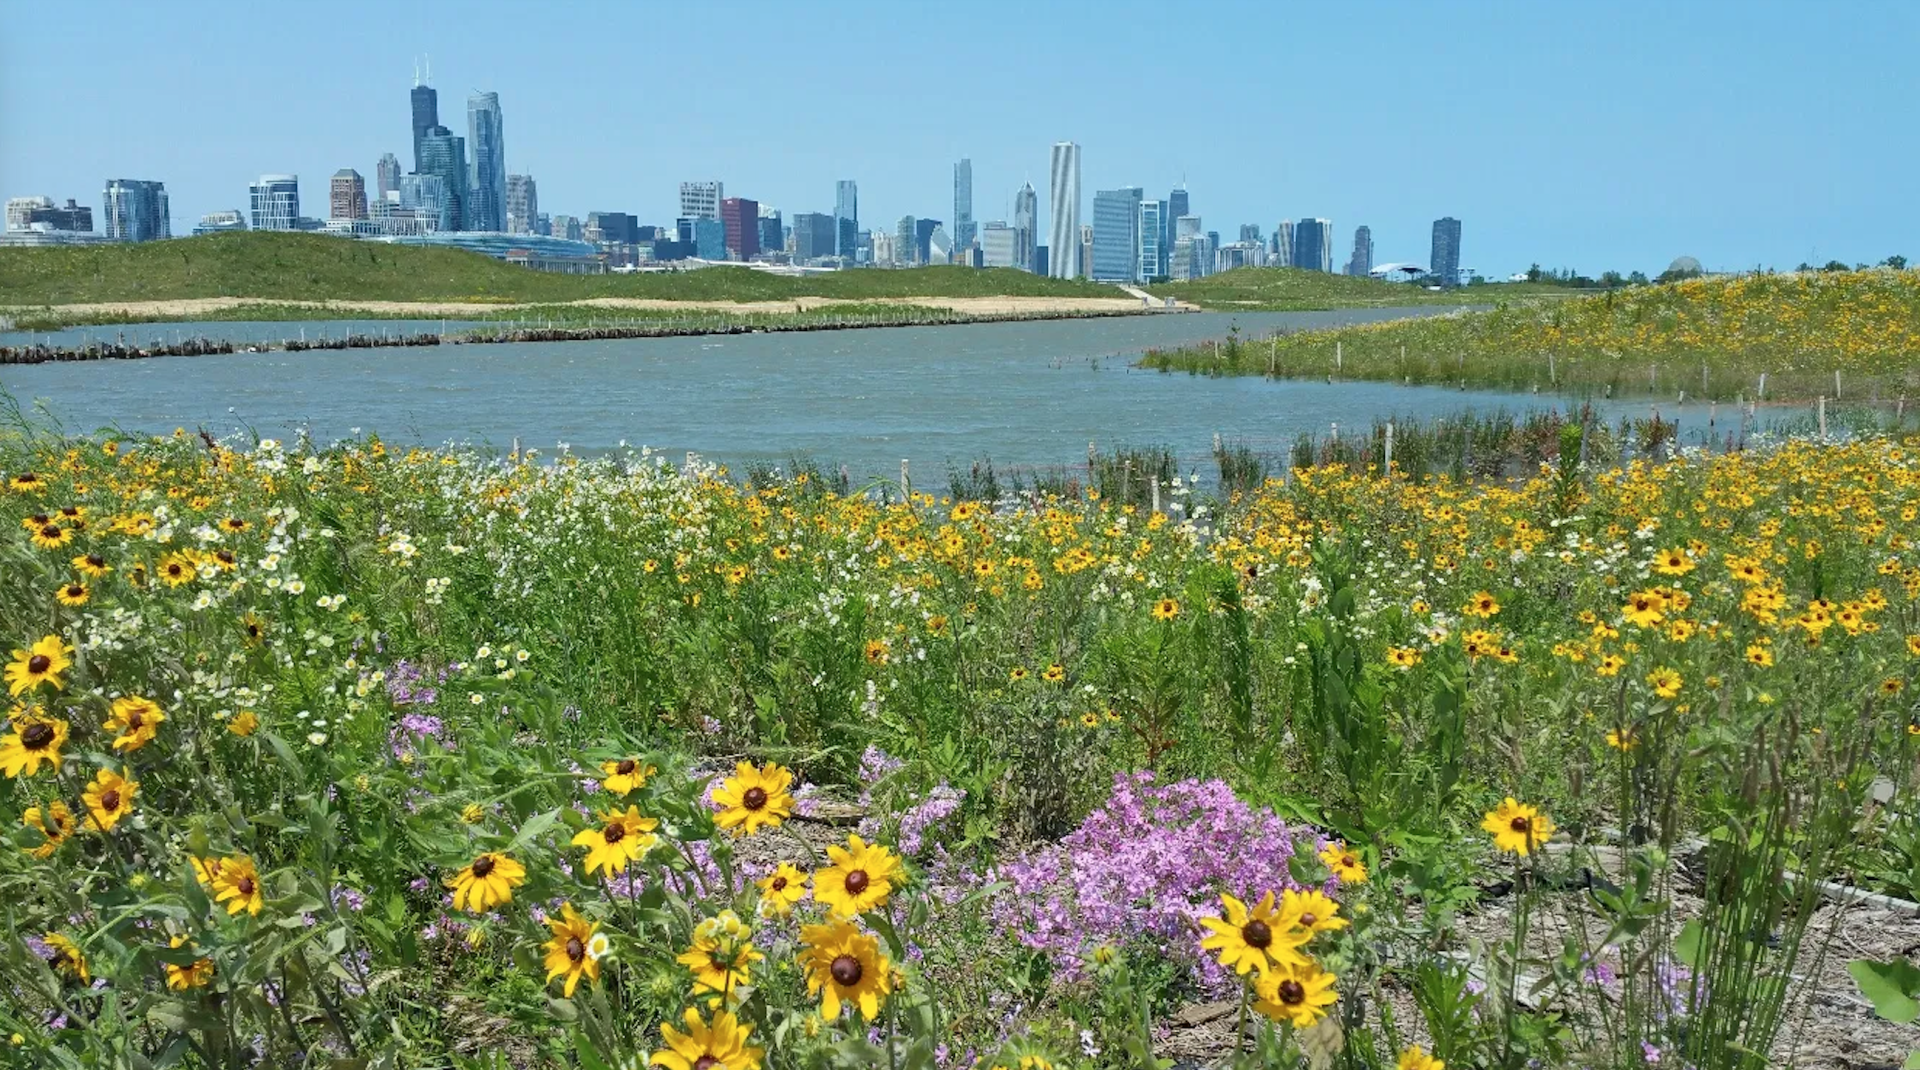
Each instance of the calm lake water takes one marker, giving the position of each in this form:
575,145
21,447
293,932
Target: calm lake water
1020,393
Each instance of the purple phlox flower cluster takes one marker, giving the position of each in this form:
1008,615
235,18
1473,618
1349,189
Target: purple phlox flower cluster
806,800
345,898
1679,987
409,685
419,885
414,730
876,765
1649,1053
1147,865
364,963
915,820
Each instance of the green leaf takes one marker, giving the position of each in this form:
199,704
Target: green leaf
1686,946
535,826
1892,986
1912,1063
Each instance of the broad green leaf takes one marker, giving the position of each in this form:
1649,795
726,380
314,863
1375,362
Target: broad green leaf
1892,986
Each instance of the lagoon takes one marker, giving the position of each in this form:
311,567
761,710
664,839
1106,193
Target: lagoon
1026,394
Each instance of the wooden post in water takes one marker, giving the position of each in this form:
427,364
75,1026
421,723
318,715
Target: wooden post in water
1386,467
1763,386
1273,354
1339,360
906,486
1553,378
1823,416
1155,491
1836,384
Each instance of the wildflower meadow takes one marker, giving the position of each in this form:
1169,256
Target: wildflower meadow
342,755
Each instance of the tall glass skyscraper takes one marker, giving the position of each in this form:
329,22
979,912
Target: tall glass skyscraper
445,155
1445,267
523,205
1361,262
1026,226
484,134
386,175
1116,235
1313,244
136,210
846,217
963,204
1177,206
1063,228
426,116
275,202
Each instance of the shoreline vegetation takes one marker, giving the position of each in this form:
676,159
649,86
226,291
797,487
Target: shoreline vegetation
1849,336
572,325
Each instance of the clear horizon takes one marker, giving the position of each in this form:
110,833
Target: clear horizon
1757,134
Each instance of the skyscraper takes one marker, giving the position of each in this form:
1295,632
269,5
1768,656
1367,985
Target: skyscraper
523,205
1086,248
1153,234
426,116
1177,206
386,175
963,204
1116,235
741,217
846,218
275,202
1445,265
904,245
136,210
1313,244
1283,242
347,195
813,235
444,155
1249,232
485,137
1063,236
701,200
1026,216
1361,262
923,241
773,231
998,245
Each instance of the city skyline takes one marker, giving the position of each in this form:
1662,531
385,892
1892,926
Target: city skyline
1537,170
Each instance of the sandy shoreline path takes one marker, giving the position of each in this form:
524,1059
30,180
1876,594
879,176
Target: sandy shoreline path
188,308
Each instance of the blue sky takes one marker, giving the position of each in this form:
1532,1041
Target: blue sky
1593,136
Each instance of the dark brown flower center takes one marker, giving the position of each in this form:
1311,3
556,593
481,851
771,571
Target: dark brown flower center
779,884
96,561
1521,825
1349,861
37,736
1292,992
856,882
625,768
482,865
244,885
754,799
846,971
614,833
51,531
1257,934
74,590
1309,919
110,800
705,1062
39,663
575,949
135,721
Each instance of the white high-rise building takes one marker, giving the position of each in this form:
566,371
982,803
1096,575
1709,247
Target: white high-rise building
701,200
1283,243
1064,252
999,244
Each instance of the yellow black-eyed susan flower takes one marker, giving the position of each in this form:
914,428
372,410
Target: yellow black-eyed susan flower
1517,827
486,882
754,797
859,880
845,966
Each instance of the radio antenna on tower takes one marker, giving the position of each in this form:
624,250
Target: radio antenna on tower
416,72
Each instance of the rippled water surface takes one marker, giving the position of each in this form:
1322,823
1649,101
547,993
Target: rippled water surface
1021,393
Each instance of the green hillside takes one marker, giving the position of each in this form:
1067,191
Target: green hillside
315,267
1292,289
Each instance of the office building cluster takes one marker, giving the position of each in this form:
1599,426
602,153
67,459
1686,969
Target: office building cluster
459,192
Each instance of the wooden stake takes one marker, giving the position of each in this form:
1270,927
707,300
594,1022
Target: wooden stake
1387,466
906,486
1823,416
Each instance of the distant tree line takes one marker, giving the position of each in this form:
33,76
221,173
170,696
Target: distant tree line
1614,280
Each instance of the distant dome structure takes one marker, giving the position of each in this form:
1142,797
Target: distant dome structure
1685,265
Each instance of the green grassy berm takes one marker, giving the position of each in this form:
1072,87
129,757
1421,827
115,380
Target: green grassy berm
314,267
